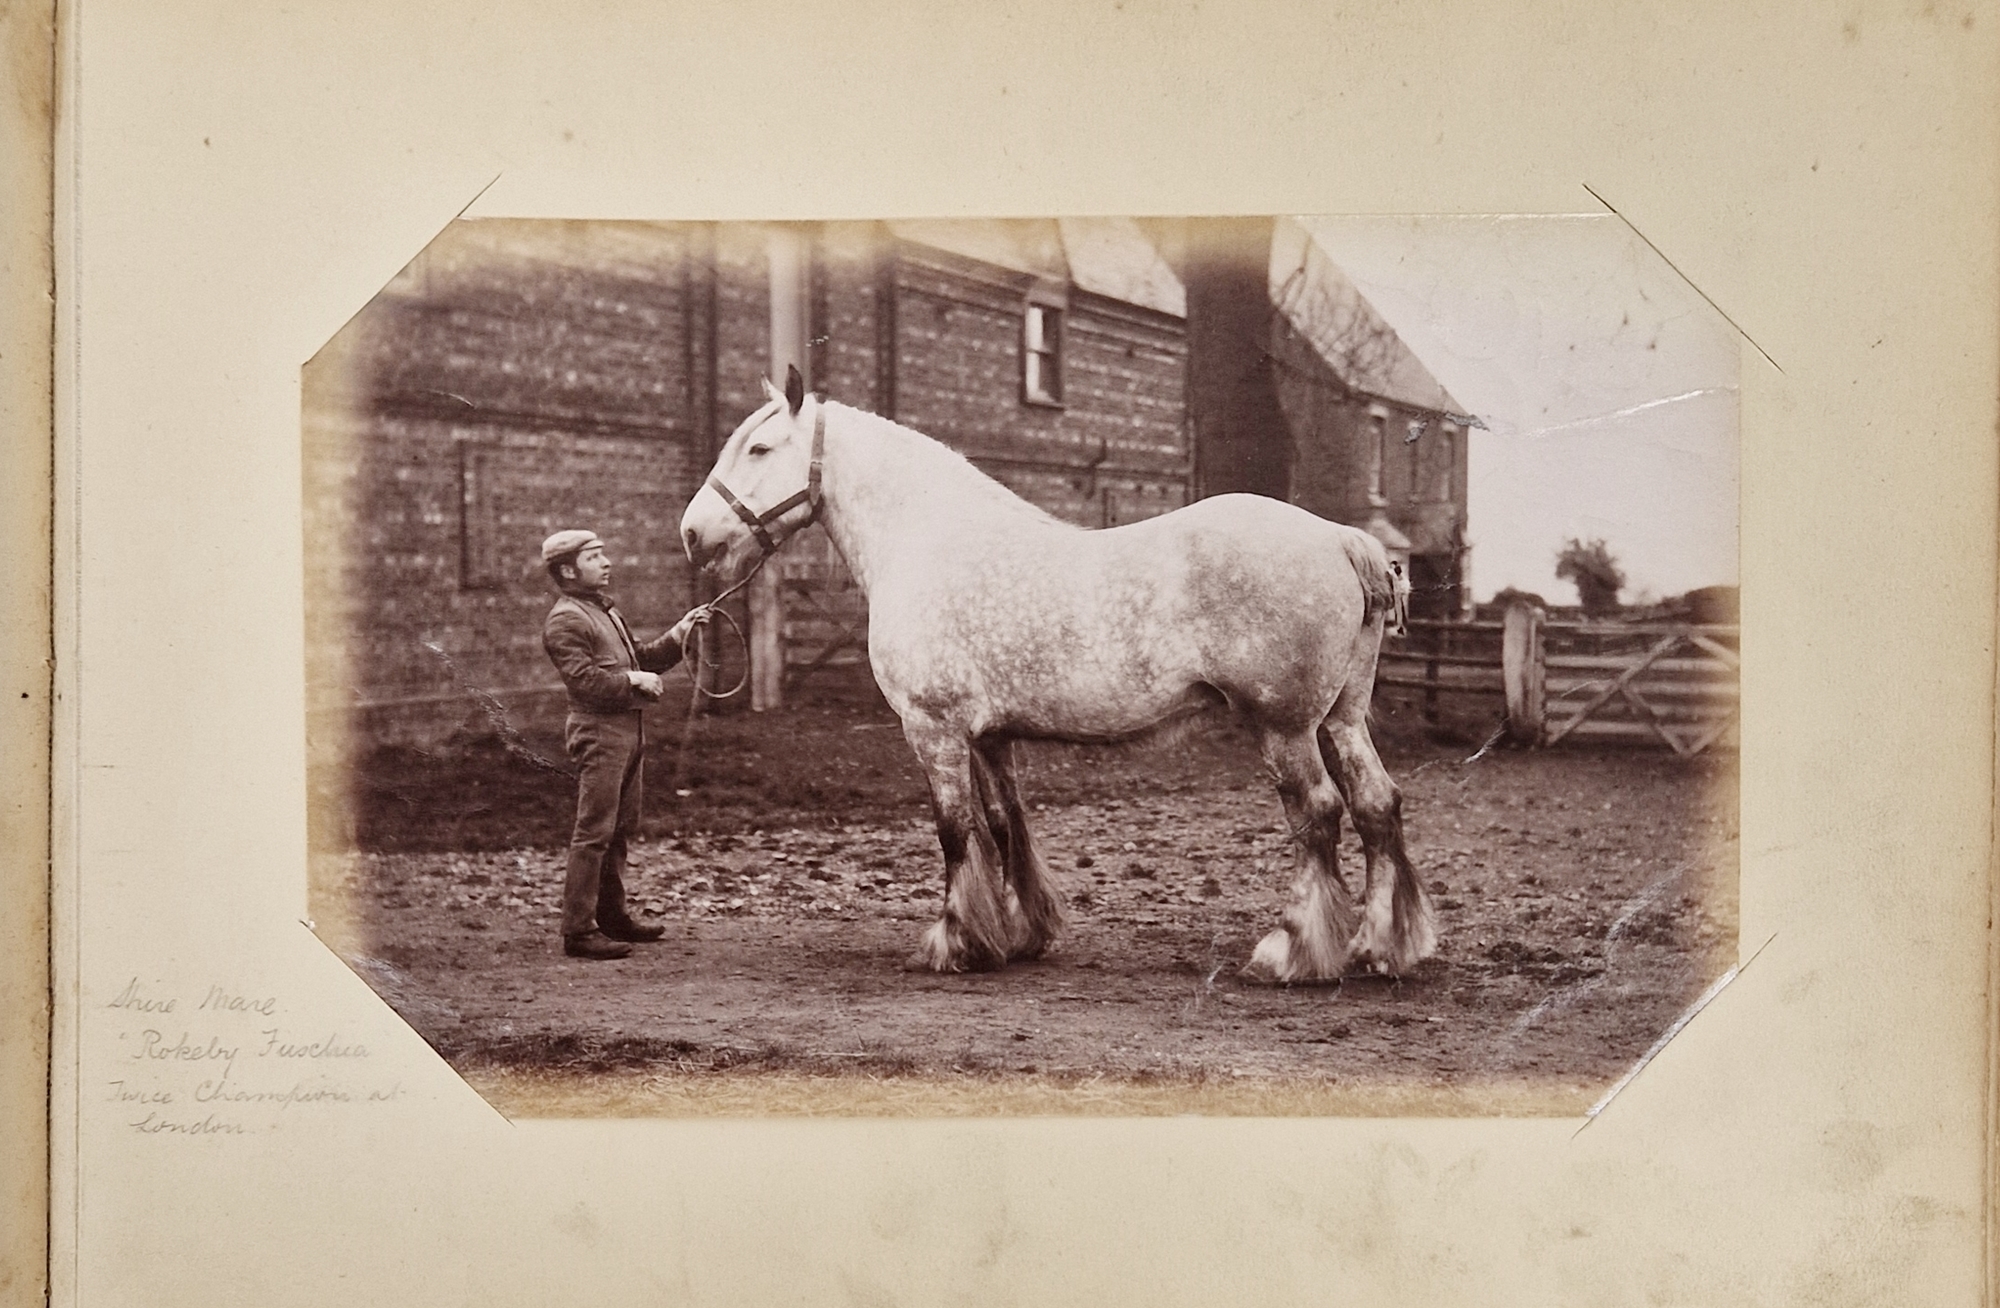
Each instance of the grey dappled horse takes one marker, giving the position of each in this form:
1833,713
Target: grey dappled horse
989,621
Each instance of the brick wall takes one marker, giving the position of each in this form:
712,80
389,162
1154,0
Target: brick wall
416,633
934,341
1334,439
516,379
742,326
571,325
849,321
1330,435
521,377
1121,426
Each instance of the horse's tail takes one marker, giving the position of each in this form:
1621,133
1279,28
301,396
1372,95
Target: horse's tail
1381,589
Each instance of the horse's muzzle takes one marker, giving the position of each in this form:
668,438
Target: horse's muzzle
699,553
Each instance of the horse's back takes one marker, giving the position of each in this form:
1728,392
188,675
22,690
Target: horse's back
1103,632
1252,519
1256,546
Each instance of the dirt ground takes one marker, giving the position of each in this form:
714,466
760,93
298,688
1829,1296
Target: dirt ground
1585,898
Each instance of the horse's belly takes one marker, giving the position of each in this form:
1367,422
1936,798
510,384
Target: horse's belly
1043,681
1095,712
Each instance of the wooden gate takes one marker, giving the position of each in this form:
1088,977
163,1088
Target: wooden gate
1548,681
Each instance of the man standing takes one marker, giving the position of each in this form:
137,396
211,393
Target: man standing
610,678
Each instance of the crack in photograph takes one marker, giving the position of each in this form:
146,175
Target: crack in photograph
1070,666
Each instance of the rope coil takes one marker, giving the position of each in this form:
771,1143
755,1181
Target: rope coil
691,658
691,652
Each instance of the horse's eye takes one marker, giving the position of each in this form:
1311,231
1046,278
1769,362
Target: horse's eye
755,450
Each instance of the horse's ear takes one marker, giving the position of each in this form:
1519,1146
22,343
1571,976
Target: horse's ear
795,388
770,391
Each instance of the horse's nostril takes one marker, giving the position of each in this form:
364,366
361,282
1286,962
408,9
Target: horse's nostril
701,553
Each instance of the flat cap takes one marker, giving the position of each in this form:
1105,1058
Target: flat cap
567,542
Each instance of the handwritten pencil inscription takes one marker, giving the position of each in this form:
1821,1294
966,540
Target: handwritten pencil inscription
227,1064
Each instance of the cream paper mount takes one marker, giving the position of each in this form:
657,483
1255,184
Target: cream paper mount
234,181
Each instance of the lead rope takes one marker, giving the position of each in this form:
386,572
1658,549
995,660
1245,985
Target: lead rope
691,643
692,640
693,657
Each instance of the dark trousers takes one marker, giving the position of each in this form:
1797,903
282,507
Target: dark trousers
607,752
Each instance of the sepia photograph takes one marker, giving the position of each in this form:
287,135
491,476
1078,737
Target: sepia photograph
1252,665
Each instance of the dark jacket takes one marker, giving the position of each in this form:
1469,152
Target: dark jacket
586,638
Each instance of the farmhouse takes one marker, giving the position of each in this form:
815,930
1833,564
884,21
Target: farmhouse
523,376
1301,391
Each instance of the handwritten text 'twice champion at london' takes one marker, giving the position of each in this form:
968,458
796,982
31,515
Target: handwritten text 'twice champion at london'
221,1090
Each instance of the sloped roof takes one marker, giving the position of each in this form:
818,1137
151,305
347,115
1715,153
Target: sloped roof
1332,314
1028,245
1111,257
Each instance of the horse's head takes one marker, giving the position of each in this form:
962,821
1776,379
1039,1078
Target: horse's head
764,486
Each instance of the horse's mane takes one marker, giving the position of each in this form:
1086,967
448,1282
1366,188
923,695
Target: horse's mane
941,465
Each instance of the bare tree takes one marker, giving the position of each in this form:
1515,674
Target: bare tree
1340,324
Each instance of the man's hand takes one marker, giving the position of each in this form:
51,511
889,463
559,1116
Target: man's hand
693,618
647,684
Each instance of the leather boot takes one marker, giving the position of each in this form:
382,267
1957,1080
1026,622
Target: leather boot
594,944
629,929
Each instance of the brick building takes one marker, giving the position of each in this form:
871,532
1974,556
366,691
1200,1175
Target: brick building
522,376
1299,390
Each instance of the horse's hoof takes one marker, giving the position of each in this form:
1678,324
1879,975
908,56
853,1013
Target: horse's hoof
1368,965
1271,961
937,952
1281,960
1386,958
945,950
1029,951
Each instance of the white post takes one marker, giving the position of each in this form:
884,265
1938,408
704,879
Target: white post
1522,672
786,251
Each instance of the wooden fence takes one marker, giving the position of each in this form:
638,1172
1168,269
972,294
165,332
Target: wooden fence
1547,682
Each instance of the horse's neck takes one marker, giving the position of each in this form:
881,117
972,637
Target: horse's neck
889,493
866,500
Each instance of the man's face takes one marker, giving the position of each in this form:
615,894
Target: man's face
593,568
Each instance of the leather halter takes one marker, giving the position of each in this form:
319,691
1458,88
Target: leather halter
759,522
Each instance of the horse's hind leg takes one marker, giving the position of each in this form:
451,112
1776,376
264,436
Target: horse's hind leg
973,933
1041,906
1397,930
1318,926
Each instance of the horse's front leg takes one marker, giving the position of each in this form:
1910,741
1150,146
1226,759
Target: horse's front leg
974,933
1041,912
